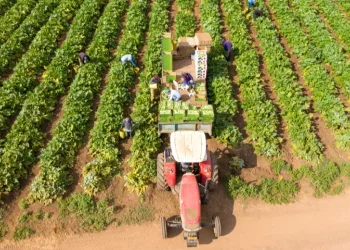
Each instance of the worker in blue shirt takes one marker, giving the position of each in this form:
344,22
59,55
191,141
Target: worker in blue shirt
251,3
127,58
227,48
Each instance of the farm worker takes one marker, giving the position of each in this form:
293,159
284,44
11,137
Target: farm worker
227,48
127,124
153,86
174,95
83,58
251,3
155,79
187,80
127,58
257,13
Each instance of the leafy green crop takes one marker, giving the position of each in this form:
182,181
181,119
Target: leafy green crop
59,155
336,20
5,5
321,85
146,142
345,4
90,213
17,44
332,52
29,68
219,85
185,24
260,113
290,98
27,137
105,134
13,18
277,191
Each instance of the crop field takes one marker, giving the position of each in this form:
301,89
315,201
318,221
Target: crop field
281,105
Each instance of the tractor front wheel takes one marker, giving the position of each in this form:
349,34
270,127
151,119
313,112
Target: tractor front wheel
215,173
161,181
217,226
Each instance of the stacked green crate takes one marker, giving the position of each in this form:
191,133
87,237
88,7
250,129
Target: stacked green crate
165,115
193,115
207,113
167,45
167,62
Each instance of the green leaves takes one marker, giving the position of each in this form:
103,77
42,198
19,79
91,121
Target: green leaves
293,103
261,118
59,155
12,19
218,83
321,85
110,113
146,142
40,52
16,45
185,24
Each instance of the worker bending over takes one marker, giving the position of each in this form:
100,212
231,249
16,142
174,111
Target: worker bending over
227,48
127,58
174,95
83,58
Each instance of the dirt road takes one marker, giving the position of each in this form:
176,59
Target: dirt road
308,224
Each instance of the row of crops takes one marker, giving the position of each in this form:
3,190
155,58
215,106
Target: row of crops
44,70
27,135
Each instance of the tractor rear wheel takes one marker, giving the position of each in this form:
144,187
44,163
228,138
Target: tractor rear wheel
215,173
217,226
161,181
164,227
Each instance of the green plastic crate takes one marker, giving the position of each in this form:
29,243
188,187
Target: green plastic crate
170,78
167,45
192,115
207,115
207,107
179,115
178,105
170,105
167,61
165,115
185,106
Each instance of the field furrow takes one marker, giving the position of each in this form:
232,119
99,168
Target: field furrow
26,137
60,154
13,18
261,117
332,52
28,70
321,85
20,40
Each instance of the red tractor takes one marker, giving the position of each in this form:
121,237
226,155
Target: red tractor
190,171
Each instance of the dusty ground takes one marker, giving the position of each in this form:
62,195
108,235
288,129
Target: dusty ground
308,224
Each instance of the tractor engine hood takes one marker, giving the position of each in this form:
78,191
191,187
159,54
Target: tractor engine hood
188,146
